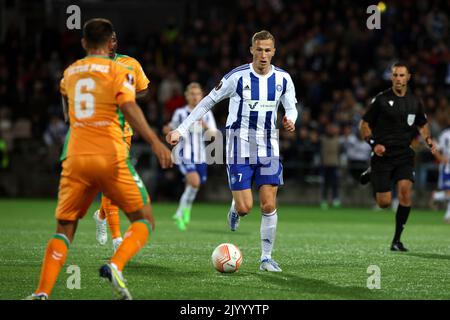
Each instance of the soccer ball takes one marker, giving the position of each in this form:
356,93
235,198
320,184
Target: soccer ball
226,258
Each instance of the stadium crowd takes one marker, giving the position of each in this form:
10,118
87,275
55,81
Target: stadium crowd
336,63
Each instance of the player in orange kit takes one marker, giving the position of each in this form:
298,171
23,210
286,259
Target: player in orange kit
108,209
95,157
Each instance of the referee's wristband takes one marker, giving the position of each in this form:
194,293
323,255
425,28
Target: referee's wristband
370,140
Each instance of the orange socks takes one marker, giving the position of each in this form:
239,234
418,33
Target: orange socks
54,259
111,212
134,239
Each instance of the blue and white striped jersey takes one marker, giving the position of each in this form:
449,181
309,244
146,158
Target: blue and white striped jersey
192,148
252,112
444,142
444,168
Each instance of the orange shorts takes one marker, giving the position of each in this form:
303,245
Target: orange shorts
83,177
107,203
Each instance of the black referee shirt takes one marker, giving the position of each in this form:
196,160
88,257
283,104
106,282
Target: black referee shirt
394,120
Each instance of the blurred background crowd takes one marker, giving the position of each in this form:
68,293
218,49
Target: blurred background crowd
337,64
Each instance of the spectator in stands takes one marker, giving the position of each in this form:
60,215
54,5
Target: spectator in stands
356,151
330,152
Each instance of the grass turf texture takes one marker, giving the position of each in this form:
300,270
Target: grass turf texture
323,254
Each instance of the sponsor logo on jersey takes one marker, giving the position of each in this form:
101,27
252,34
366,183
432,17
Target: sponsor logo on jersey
253,106
261,105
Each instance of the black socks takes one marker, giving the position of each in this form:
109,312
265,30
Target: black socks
400,220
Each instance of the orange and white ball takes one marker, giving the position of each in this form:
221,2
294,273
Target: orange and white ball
226,258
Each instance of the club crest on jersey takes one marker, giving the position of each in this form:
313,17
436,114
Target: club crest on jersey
391,102
130,78
411,119
253,106
279,88
217,88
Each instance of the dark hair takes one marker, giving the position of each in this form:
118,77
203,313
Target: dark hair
263,35
400,64
97,32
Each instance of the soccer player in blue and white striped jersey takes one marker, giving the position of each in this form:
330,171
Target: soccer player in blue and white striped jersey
255,91
443,156
190,153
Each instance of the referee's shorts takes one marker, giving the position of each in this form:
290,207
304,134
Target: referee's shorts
388,170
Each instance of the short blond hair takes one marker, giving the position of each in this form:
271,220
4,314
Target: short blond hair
263,35
193,85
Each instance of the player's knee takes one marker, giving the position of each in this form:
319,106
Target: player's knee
195,184
243,208
404,198
384,203
151,220
143,213
267,207
66,228
194,181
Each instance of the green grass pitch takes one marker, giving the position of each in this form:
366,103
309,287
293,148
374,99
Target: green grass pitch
324,255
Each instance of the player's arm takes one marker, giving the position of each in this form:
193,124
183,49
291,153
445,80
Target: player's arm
206,104
125,93
366,134
289,102
365,125
364,130
223,90
64,100
422,125
142,90
426,136
142,95
135,117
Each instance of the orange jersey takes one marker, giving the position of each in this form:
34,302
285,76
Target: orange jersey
141,80
95,87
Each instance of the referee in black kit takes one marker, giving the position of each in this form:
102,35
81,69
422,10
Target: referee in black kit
389,126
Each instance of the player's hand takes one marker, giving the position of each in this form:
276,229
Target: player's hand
163,154
432,145
288,124
173,137
379,150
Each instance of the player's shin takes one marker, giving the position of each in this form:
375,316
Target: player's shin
113,219
110,211
400,221
187,199
54,259
268,233
134,239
